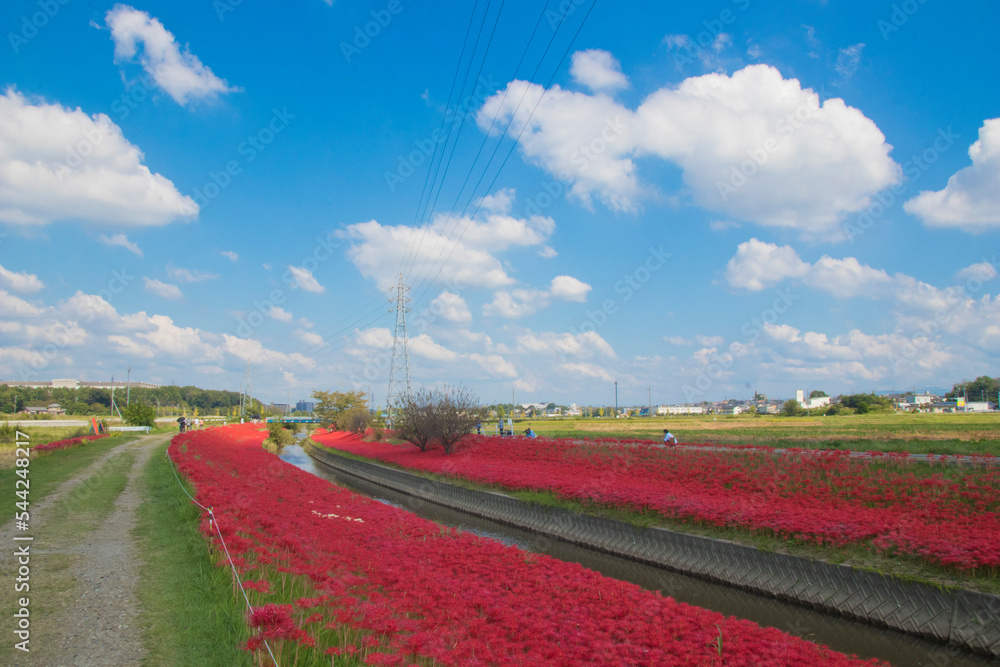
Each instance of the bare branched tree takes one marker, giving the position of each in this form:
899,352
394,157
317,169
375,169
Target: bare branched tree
443,415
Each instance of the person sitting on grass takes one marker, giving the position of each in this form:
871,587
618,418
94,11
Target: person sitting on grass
531,434
668,437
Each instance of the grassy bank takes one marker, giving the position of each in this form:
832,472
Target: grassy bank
973,433
190,613
49,471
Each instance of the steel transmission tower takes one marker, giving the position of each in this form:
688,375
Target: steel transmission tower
400,364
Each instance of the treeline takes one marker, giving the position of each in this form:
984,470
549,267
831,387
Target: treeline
983,388
97,402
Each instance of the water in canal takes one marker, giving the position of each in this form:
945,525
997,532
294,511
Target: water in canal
838,633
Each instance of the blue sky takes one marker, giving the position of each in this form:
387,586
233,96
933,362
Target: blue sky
694,201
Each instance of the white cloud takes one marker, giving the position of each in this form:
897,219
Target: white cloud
522,302
253,351
981,271
516,303
547,252
569,288
758,265
452,250
587,370
122,241
501,201
855,355
848,60
280,314
379,337
723,225
971,199
186,343
61,164
159,288
190,275
309,337
424,346
177,71
233,256
678,340
709,340
20,281
965,311
753,146
451,307
304,279
559,135
598,70
495,365
582,345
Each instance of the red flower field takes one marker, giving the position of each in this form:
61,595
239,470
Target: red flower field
951,518
68,442
331,572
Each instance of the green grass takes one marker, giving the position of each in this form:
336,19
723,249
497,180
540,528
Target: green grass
83,508
189,614
862,556
49,471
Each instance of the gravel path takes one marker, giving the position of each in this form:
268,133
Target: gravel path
95,626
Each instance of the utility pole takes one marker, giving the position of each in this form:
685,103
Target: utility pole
128,384
649,388
616,399
399,352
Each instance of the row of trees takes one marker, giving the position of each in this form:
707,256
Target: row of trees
983,388
89,401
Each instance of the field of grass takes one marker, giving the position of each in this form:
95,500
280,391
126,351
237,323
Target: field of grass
973,433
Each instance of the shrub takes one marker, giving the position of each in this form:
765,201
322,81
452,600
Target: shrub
354,420
278,437
138,414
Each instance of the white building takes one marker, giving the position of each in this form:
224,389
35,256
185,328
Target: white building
680,410
811,403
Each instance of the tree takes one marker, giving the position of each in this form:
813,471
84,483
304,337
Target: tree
791,408
443,415
330,404
456,412
278,437
816,393
865,403
354,420
138,414
413,419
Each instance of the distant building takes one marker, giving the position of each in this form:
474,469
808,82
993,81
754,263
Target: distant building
51,409
811,403
680,409
305,406
918,399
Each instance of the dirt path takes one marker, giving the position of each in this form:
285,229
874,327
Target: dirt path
92,619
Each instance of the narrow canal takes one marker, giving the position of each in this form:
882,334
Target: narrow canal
840,634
